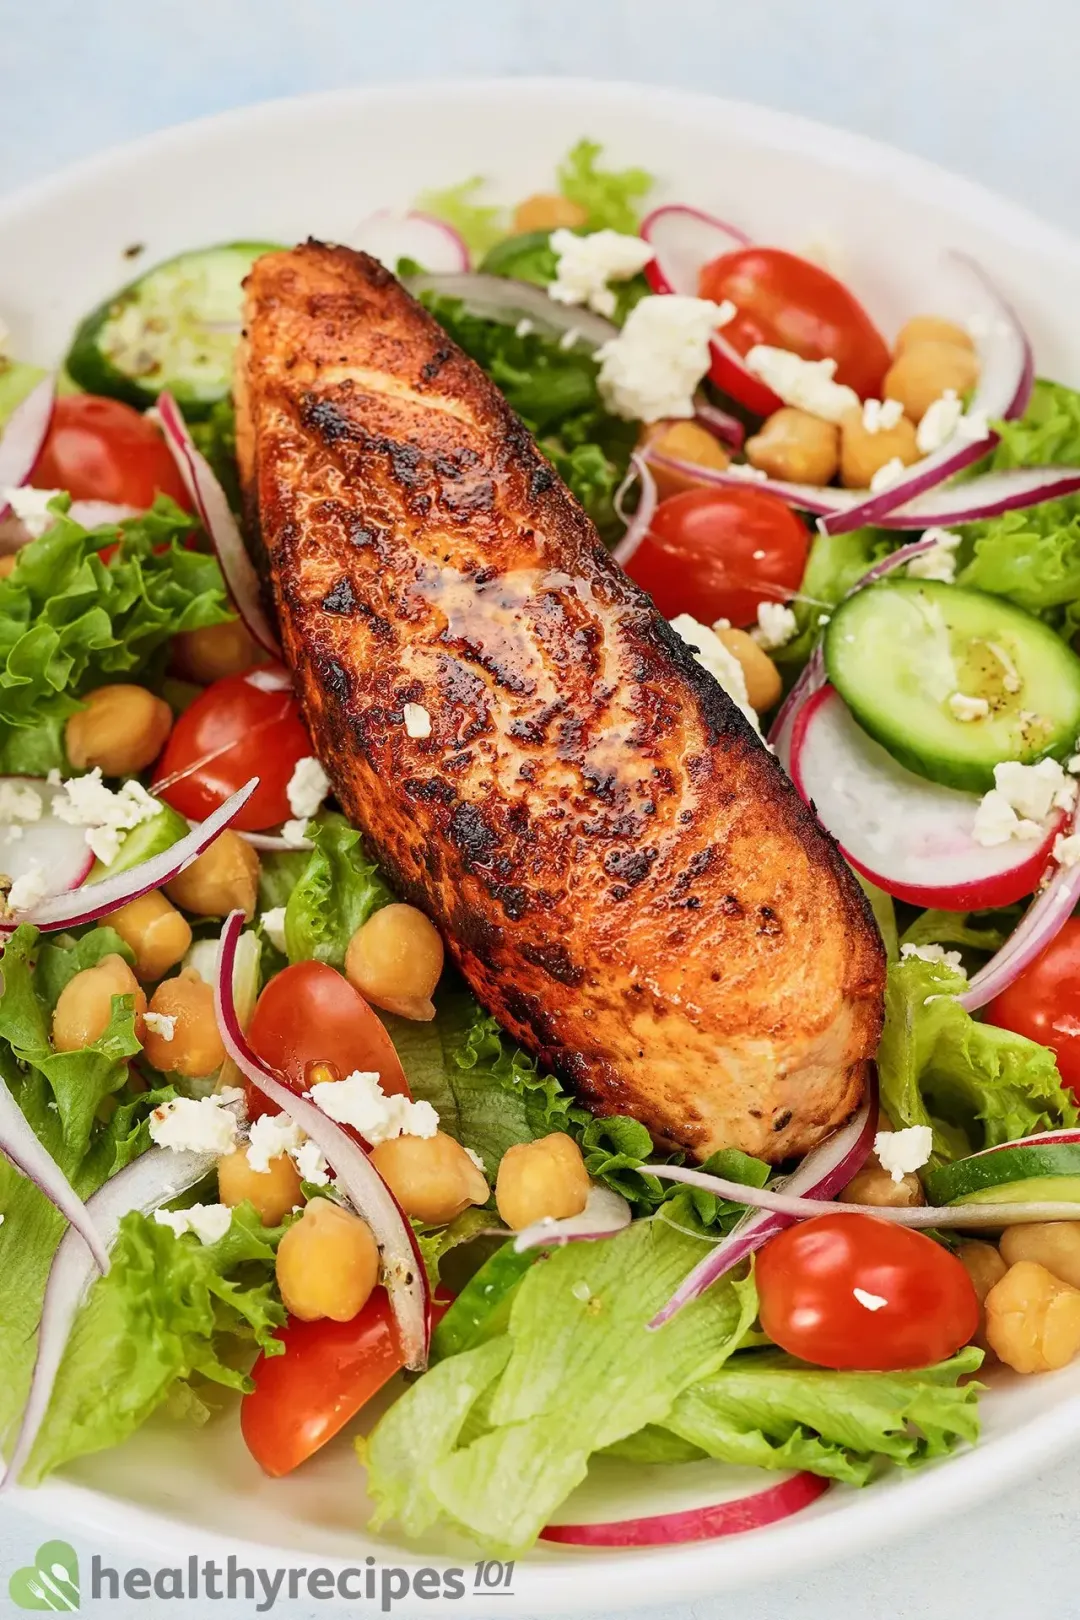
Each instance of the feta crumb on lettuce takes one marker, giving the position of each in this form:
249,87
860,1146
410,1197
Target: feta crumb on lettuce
106,815
935,953
776,625
195,1126
273,922
209,1222
652,369
30,506
585,265
938,563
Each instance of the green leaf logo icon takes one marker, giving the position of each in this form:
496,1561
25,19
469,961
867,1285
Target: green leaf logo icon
51,1582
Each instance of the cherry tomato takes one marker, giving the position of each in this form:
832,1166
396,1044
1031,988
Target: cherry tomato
719,553
853,1292
235,730
103,450
310,1014
1043,1002
789,303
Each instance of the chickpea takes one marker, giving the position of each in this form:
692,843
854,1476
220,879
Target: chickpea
873,1185
224,878
327,1263
84,1006
274,1192
155,931
395,960
685,441
763,683
863,453
1053,1244
931,329
1032,1319
546,211
122,728
7,564
541,1179
795,445
923,372
432,1177
195,1047
216,651
985,1267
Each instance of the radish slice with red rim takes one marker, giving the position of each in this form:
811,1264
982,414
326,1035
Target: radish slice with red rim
26,431
501,298
707,1523
217,519
637,525
606,1212
355,1176
389,236
913,838
98,514
48,845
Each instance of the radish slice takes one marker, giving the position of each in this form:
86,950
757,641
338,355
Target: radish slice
911,837
1041,923
728,1518
95,514
90,904
684,240
24,435
389,236
637,526
22,1147
728,429
49,846
823,1173
403,1269
606,1212
500,298
155,1178
216,517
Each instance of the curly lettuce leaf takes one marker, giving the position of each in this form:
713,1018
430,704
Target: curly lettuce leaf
609,196
1048,433
337,891
480,225
168,1310
970,930
835,564
975,1084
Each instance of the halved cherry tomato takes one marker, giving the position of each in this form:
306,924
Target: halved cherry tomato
310,1014
1043,1002
103,450
853,1292
719,553
789,303
235,730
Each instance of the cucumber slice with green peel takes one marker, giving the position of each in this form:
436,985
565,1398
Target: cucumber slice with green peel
149,838
898,652
175,328
1022,1173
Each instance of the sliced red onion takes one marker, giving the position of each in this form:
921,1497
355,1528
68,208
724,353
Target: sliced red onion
217,519
501,298
606,1212
728,429
25,433
403,1269
275,843
20,1144
389,236
824,1172
637,526
767,1506
155,1178
89,904
1041,923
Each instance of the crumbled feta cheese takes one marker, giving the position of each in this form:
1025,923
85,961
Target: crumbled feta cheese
569,338
807,384
188,1125
295,833
270,1136
53,777
1035,790
273,922
308,787
417,720
881,415
87,802
887,476
939,422
311,1164
653,367
872,1302
776,625
963,707
360,1101
940,563
901,1153
973,427
1067,849
28,889
996,822
162,1024
30,506
585,264
1011,679
19,801
476,1159
935,953
209,1222
744,469
524,327
721,664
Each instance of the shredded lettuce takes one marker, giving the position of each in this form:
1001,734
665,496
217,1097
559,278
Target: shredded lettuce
480,225
337,891
609,196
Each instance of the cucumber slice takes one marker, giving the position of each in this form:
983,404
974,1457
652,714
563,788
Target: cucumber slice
1008,1175
899,650
151,837
175,328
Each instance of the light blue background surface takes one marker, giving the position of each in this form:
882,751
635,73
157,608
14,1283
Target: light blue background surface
987,87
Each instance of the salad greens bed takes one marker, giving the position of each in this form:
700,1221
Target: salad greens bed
542,1364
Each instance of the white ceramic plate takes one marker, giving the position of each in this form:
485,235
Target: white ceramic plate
317,166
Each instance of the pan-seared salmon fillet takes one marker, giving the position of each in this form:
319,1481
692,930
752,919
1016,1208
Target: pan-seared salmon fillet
619,867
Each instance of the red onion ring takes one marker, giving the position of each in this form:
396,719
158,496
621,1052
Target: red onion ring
501,298
728,429
25,433
216,517
275,843
606,1212
751,1512
20,1144
637,526
403,1269
1041,923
